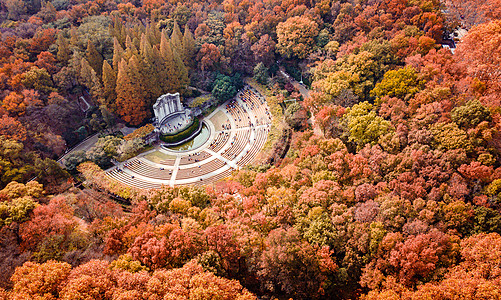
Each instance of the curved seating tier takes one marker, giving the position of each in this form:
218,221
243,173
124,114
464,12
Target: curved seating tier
219,141
240,140
194,158
148,170
212,179
256,145
220,121
168,162
126,178
200,170
239,115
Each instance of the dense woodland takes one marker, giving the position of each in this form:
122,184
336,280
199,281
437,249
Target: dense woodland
391,190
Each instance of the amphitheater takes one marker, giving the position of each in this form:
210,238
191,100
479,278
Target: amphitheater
235,133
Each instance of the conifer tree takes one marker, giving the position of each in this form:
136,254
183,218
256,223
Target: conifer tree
117,54
109,86
89,78
144,45
153,34
123,35
180,71
137,31
188,47
133,37
140,86
148,71
160,71
123,90
63,49
94,58
176,39
168,73
149,34
164,44
118,30
174,76
111,30
73,36
135,74
131,104
130,48
137,43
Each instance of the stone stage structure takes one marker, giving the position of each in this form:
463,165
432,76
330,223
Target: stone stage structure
170,115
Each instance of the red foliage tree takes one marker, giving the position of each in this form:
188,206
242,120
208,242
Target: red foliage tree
419,256
209,56
221,240
56,218
150,250
479,50
39,281
294,267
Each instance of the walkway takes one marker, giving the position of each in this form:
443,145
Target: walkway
306,94
86,144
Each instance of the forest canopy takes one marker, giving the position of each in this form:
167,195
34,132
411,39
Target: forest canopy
381,180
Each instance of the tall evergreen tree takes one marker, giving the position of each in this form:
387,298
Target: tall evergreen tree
117,54
73,37
164,44
118,30
109,86
160,70
130,48
148,71
137,31
168,74
94,58
123,35
176,39
131,102
181,72
153,34
89,78
135,74
188,47
63,49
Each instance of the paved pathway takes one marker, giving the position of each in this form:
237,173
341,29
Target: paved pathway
85,145
306,94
